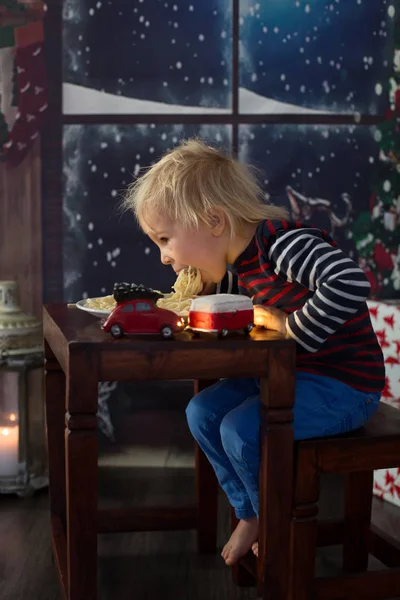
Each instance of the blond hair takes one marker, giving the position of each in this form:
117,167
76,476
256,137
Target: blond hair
188,182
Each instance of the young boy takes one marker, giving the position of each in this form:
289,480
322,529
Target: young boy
204,209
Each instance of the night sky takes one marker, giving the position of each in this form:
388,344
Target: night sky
324,54
102,246
176,52
318,162
332,55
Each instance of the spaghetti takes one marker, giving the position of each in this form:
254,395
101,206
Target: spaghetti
103,303
187,286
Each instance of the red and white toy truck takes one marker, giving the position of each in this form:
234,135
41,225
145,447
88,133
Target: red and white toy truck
221,314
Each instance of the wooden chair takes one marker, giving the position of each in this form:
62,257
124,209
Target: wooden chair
356,455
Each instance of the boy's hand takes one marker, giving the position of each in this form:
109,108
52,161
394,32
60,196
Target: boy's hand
270,318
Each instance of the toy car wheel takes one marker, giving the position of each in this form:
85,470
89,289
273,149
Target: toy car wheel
248,328
116,331
224,332
167,332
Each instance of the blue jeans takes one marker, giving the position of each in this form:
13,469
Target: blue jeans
225,421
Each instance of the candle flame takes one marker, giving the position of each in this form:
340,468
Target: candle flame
5,432
13,417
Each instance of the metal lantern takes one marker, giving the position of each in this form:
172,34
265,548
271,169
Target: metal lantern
23,456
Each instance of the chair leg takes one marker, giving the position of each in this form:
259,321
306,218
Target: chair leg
358,507
240,574
304,527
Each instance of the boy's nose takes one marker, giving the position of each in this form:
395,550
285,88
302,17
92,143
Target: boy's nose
165,259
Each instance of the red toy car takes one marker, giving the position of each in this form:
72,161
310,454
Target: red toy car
136,312
221,313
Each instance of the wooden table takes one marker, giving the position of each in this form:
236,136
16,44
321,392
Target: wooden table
78,356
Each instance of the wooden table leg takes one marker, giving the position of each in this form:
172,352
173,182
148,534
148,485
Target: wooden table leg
206,494
276,475
55,417
81,449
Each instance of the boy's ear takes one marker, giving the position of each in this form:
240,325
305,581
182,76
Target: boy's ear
217,221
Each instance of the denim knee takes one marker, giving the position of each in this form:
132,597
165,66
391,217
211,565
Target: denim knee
231,436
198,415
239,431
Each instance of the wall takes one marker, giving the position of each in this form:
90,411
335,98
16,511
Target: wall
21,228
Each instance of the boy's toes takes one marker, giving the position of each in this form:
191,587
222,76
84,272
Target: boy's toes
254,548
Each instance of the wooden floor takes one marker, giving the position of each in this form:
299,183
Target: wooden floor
152,464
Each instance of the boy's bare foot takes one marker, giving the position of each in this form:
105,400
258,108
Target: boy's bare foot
241,540
255,548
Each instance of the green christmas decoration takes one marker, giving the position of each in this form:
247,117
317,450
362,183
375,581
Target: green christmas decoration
377,232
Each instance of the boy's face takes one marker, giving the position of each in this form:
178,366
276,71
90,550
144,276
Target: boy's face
203,248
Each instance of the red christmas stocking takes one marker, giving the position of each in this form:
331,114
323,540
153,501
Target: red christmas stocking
32,91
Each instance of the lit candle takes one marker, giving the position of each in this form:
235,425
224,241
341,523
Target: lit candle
9,436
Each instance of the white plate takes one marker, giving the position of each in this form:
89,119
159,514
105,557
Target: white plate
100,313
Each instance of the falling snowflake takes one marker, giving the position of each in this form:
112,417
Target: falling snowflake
387,186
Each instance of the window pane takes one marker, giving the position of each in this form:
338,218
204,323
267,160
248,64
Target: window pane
322,174
147,57
127,309
101,246
143,307
315,55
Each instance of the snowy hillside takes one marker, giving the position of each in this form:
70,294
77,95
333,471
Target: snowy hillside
85,101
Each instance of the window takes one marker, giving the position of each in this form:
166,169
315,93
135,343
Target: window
128,308
144,307
258,79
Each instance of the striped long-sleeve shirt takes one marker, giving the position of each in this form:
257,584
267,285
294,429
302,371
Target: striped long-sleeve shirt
301,271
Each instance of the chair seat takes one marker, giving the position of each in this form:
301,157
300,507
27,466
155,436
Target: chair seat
374,446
